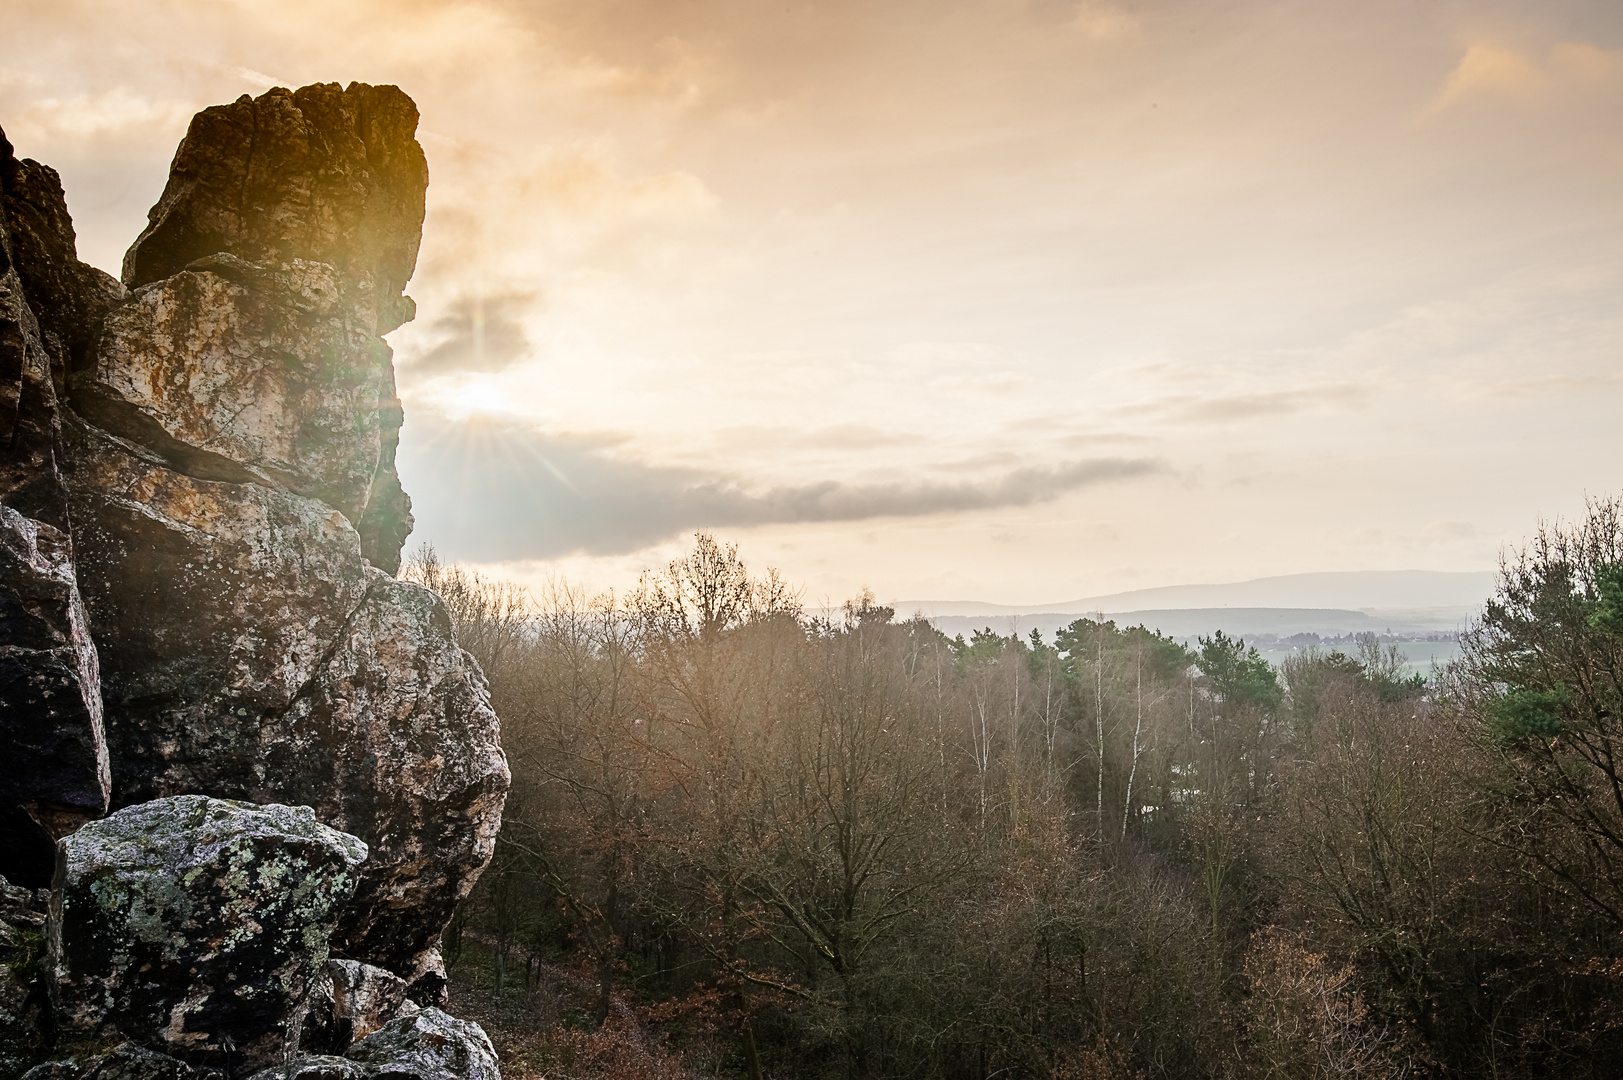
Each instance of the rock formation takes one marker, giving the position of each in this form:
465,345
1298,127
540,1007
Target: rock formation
199,523
198,923
351,1001
423,1045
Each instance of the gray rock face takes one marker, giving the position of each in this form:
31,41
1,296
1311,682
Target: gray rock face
126,1061
22,993
214,605
351,1001
284,669
50,708
396,740
315,1067
428,1045
50,699
195,925
281,372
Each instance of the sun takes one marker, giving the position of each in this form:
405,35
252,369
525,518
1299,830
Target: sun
477,396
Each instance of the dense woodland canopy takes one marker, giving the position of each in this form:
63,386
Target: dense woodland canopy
748,840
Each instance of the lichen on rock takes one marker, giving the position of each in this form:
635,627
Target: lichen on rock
195,925
424,1045
428,1045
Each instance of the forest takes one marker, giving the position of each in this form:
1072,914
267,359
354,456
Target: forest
746,839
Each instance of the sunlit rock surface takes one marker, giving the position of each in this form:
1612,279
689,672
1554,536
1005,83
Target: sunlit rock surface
325,173
195,926
316,197
281,372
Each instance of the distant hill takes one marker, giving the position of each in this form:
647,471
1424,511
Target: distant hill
1375,592
1188,623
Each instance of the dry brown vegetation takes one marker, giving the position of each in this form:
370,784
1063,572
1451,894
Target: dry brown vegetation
748,840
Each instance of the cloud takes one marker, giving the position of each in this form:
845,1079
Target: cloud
488,490
1196,409
116,111
1104,21
847,437
1492,71
476,334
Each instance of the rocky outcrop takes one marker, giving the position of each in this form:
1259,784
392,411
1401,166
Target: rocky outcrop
279,372
199,520
196,925
237,425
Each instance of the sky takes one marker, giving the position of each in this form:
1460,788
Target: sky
1000,300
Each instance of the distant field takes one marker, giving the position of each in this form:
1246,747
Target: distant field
1426,637
1421,655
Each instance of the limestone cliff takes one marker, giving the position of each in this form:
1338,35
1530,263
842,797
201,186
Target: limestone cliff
200,518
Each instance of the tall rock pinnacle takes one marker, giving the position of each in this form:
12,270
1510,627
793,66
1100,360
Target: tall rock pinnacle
201,515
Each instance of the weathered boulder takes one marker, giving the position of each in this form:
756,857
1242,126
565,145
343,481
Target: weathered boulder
69,298
283,669
195,926
305,208
396,742
214,605
428,1045
315,1067
349,1002
326,173
323,174
236,477
425,1045
52,307
126,1061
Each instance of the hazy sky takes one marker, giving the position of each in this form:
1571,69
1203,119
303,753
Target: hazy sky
1008,300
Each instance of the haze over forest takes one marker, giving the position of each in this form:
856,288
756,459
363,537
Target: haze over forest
994,300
